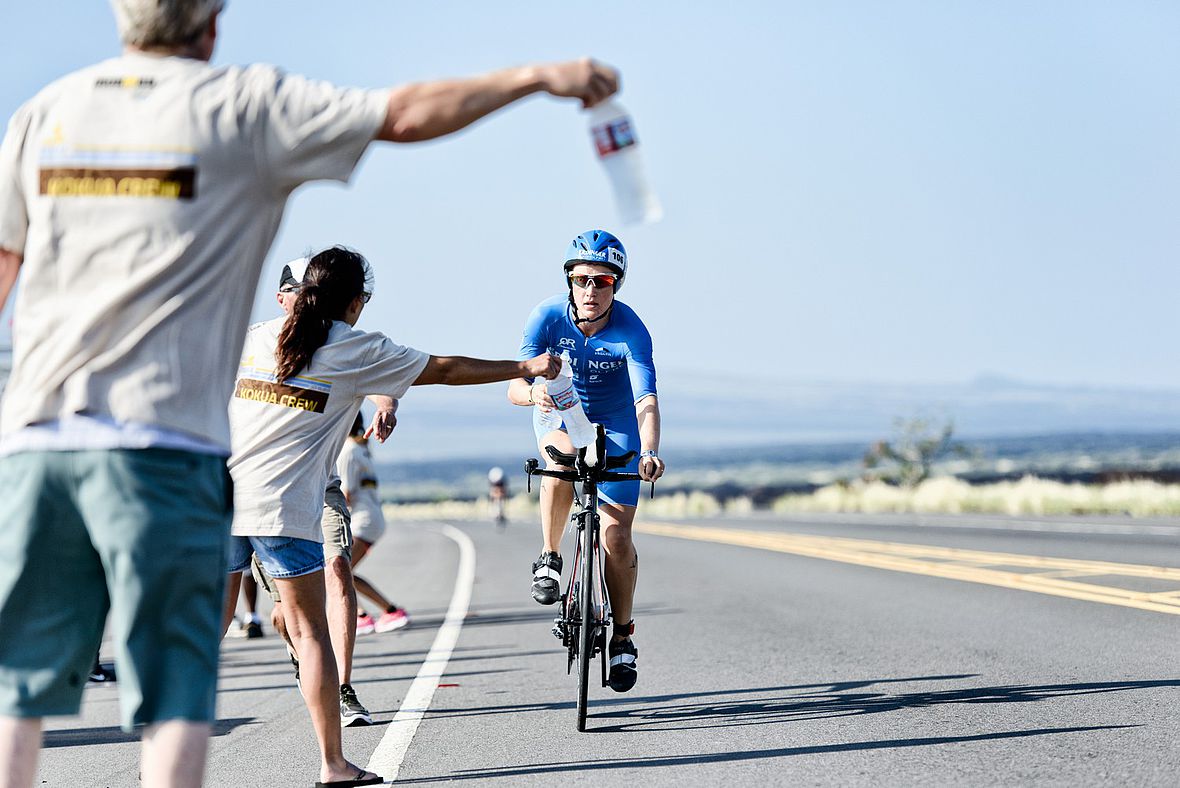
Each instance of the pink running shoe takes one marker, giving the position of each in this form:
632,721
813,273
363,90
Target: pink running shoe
391,621
364,624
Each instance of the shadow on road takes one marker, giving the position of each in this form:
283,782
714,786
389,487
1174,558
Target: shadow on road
600,764
771,705
788,704
483,618
77,737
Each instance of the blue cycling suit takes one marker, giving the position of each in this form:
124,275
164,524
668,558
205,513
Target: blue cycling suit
613,370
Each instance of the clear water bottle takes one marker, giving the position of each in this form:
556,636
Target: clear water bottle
613,133
569,405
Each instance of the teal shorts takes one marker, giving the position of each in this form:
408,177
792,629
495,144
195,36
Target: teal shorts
139,533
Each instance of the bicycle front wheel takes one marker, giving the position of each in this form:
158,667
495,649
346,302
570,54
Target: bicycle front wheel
588,628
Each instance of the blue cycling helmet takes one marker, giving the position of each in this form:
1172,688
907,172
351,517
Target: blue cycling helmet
601,248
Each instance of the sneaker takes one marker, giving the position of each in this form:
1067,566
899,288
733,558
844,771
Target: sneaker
547,578
352,713
391,621
365,624
237,628
100,674
253,630
623,670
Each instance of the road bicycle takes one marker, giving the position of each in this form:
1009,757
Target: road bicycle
584,624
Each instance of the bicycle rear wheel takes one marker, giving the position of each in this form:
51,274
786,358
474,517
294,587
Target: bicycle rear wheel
586,630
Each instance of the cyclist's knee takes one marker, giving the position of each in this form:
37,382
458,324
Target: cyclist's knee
617,540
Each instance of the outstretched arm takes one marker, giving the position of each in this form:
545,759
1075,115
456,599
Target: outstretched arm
463,371
425,110
9,268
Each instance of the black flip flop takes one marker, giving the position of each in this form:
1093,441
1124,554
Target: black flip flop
360,779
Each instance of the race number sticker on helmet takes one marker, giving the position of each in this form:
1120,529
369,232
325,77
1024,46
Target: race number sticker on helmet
601,248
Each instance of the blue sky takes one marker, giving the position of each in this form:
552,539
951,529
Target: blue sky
854,191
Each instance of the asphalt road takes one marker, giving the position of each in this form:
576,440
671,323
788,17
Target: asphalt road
810,650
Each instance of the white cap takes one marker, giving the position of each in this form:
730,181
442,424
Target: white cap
293,272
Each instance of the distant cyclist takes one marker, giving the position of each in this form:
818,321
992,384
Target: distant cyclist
498,493
610,352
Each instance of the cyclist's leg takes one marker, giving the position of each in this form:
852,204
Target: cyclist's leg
556,499
616,506
556,496
621,569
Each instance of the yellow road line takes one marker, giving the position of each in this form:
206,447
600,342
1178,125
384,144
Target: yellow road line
972,566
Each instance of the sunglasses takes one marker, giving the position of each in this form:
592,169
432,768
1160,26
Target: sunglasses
600,280
366,295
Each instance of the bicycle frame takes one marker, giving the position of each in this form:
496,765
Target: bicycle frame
587,541
585,617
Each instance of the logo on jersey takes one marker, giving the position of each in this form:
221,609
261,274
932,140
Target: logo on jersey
566,342
603,366
299,393
179,183
127,83
601,351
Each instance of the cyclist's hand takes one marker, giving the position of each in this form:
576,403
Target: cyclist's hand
584,79
540,394
545,366
650,468
384,420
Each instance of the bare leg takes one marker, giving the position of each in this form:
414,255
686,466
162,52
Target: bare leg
280,624
365,588
622,563
174,753
250,594
231,600
304,598
556,496
20,741
341,614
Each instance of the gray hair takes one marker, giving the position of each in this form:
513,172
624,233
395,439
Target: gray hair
163,23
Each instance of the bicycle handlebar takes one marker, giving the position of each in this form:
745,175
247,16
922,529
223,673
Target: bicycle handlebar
532,468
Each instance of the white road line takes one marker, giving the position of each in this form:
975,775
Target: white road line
391,751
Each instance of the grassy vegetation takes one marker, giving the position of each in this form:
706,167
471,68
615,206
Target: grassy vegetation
1029,495
947,495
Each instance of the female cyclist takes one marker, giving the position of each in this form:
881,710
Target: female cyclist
300,383
609,349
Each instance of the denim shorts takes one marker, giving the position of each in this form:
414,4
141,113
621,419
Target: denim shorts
280,556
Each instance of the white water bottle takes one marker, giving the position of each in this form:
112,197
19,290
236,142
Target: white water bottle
569,405
613,134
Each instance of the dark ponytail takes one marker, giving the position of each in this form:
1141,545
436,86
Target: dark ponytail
334,277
